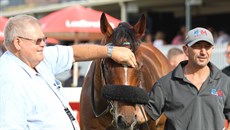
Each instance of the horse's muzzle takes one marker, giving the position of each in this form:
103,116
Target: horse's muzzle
122,124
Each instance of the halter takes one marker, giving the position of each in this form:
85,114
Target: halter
110,107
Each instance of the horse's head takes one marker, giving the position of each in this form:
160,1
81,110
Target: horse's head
124,82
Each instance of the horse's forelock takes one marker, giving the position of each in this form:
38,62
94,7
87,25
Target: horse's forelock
124,33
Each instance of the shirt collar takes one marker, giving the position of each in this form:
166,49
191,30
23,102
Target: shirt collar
31,72
178,71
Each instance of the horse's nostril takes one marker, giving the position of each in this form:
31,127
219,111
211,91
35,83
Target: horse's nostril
121,122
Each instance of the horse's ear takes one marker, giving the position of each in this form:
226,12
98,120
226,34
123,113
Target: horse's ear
140,26
106,28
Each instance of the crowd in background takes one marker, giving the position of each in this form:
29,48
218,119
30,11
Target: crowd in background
159,38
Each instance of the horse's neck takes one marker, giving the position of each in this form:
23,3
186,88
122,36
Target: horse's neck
155,64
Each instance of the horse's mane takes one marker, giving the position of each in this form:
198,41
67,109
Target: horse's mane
124,32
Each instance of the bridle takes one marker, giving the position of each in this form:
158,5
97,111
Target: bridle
110,107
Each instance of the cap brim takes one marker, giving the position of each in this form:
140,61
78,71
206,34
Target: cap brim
198,40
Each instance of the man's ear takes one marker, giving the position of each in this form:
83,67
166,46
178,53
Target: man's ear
185,49
17,43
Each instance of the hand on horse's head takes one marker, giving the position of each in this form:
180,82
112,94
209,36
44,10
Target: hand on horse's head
124,55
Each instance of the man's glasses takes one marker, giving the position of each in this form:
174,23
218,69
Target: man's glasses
37,41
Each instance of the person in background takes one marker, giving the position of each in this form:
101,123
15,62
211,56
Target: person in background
159,40
147,38
226,70
69,82
222,38
30,96
175,56
196,94
179,39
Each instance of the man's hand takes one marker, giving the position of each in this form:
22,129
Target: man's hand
123,55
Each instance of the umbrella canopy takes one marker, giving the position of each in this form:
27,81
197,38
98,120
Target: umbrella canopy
52,41
75,19
3,21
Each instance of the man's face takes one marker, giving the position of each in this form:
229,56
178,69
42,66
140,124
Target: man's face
200,53
227,54
31,51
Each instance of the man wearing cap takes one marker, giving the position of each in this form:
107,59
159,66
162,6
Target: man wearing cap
196,94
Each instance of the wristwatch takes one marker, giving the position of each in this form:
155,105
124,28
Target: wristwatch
109,51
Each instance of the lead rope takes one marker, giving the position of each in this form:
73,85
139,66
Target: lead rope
142,111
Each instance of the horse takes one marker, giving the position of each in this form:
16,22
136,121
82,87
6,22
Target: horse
124,110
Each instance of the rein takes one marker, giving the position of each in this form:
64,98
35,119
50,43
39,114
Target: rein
109,107
142,112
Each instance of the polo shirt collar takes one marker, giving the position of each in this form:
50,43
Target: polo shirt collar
178,71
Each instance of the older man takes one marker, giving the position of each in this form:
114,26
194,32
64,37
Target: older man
30,96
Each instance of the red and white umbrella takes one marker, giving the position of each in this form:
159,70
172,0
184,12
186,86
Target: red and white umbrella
3,21
75,19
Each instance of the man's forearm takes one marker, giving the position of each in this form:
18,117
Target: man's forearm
122,55
83,52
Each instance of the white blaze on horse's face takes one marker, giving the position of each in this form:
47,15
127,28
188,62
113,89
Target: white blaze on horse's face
130,113
126,74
